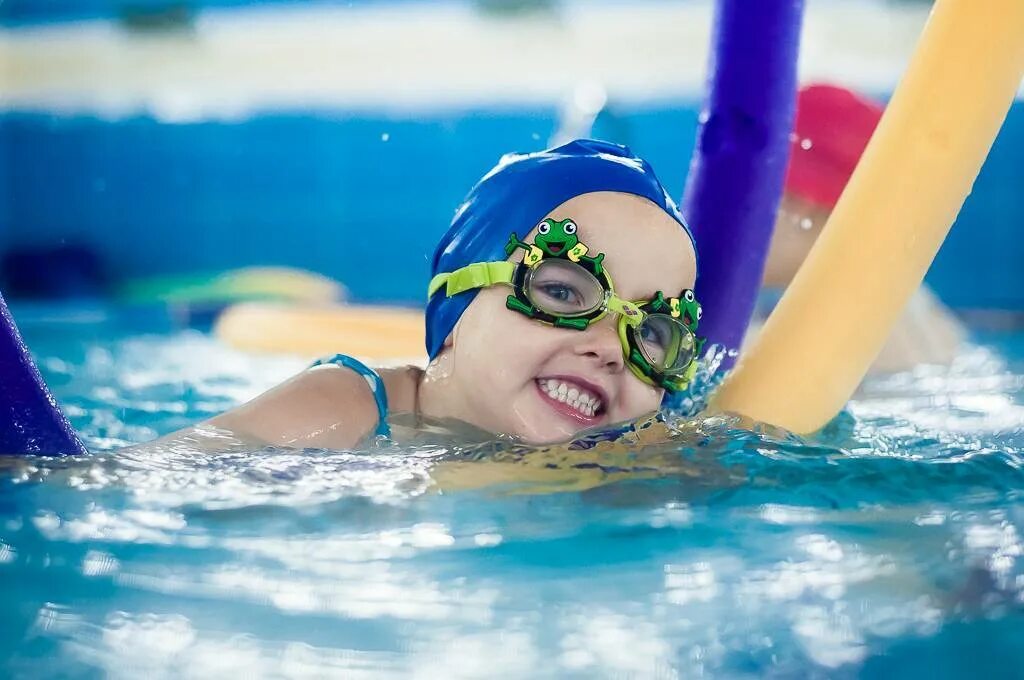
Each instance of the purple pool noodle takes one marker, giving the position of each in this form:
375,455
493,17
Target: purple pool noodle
30,420
739,163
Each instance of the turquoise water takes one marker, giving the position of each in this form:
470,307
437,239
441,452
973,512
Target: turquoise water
889,546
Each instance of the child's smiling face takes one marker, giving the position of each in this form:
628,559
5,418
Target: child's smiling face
502,371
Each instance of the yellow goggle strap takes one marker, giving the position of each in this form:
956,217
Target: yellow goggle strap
630,311
477,275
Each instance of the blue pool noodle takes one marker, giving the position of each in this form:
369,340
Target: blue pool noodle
739,163
30,420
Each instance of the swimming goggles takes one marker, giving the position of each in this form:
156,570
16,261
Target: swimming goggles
557,283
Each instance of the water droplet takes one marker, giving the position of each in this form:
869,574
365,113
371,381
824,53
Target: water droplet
806,144
385,137
806,223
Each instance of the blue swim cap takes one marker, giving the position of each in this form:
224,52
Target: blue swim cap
515,196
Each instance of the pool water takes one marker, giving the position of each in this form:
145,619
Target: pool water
890,545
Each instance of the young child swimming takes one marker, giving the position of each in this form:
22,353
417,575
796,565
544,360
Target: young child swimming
527,335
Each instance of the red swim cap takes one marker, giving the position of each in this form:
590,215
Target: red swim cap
833,125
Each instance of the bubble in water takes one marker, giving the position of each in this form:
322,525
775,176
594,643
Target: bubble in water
385,136
806,223
806,144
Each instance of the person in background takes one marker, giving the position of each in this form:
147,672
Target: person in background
833,127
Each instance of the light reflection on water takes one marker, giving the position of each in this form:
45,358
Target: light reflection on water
891,541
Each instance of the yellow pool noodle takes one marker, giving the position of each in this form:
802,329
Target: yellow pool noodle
371,333
886,229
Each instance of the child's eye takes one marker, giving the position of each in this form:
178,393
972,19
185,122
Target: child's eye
570,227
564,295
652,335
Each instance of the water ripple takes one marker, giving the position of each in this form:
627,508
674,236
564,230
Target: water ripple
700,548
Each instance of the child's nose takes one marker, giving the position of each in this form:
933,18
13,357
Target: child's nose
601,343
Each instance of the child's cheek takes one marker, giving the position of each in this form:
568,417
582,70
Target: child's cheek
638,399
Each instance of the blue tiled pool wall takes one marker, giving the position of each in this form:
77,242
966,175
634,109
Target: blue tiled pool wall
364,197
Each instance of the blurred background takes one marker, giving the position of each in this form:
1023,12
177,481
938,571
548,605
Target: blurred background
143,138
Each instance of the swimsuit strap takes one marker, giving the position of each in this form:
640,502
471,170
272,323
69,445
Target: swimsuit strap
373,379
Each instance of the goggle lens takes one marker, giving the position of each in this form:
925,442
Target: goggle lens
563,288
667,344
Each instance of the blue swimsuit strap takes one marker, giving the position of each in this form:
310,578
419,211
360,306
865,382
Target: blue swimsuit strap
373,379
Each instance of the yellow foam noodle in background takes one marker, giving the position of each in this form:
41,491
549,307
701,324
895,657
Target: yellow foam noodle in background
371,333
234,285
886,229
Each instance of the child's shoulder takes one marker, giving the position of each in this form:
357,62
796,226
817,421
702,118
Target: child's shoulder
329,406
351,393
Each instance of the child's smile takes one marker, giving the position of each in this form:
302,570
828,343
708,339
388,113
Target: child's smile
573,397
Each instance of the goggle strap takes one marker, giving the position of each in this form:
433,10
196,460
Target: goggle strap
476,275
436,282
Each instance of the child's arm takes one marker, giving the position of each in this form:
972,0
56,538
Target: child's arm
327,406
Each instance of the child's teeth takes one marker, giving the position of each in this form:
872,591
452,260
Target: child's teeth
582,401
